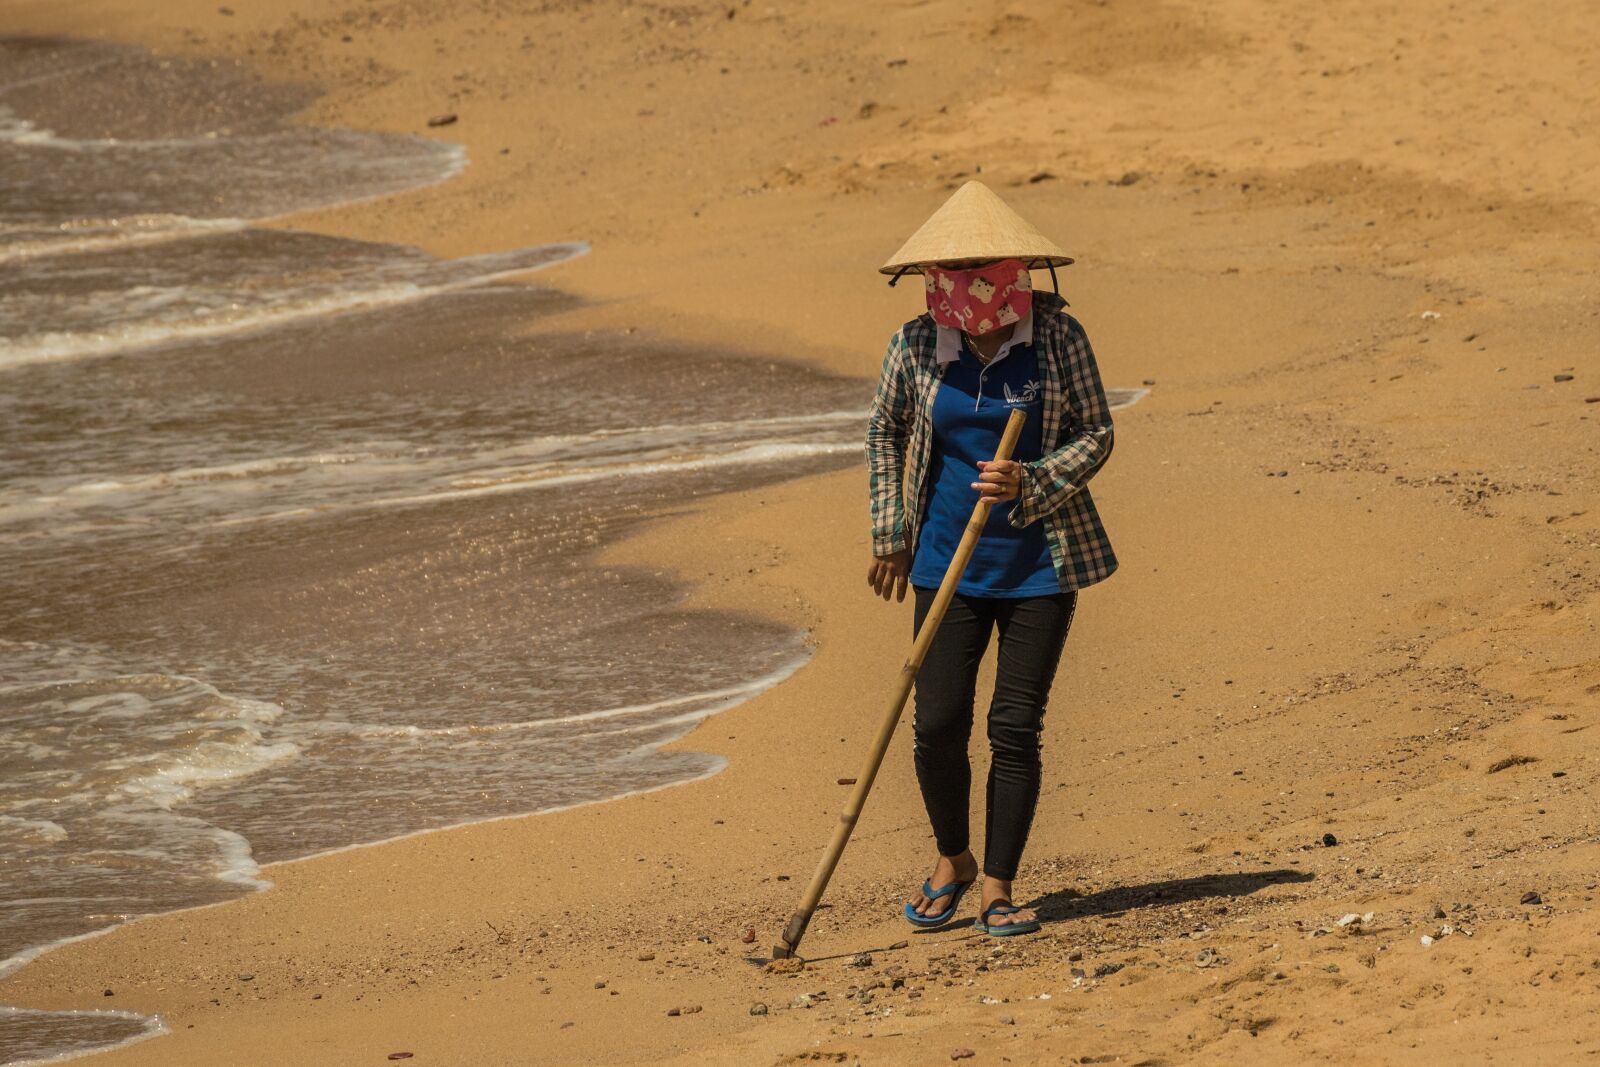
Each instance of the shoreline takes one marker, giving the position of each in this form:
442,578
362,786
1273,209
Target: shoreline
1367,702
262,884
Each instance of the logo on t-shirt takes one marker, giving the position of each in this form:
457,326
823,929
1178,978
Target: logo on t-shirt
1030,393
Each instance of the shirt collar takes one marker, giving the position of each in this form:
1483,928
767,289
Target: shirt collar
947,347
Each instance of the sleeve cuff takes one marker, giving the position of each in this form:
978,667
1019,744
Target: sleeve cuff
1026,508
884,545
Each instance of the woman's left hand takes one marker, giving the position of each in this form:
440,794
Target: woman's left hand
998,480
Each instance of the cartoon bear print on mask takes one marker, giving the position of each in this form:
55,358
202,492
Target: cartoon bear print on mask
980,299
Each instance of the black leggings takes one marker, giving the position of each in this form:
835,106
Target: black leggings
1032,633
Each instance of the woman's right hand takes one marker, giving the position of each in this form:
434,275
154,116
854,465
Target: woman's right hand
888,574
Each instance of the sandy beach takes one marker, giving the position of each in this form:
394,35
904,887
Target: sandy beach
1318,785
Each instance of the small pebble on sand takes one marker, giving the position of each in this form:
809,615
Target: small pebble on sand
442,120
1530,897
758,1008
962,1054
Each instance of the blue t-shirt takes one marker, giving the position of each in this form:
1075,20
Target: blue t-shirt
970,410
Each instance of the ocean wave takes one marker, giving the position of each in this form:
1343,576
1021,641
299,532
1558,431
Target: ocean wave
148,1026
133,742
83,236
254,490
431,280
656,435
714,700
544,478
222,472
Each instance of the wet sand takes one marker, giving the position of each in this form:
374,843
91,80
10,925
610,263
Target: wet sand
1357,512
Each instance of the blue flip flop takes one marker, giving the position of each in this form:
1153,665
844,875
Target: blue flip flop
1004,907
956,888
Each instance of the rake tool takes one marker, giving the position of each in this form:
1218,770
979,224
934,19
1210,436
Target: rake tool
796,929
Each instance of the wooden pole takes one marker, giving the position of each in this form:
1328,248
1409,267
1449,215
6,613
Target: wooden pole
908,676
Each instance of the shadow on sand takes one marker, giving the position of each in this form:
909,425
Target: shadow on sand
1069,904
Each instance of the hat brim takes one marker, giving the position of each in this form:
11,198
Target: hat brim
1036,262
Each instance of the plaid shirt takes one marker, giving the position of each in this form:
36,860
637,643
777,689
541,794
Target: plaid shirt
1076,436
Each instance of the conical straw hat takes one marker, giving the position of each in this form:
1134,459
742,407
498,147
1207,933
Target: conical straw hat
975,224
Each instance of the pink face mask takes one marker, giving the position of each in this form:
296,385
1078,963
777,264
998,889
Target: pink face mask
981,299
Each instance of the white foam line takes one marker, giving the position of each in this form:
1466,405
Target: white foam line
230,473
730,424
12,963
751,454
78,347
23,131
725,699
198,227
154,1026
748,454
186,229
50,75
225,472
676,720
240,867
458,164
721,763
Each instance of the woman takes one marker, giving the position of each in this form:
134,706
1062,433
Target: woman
951,377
